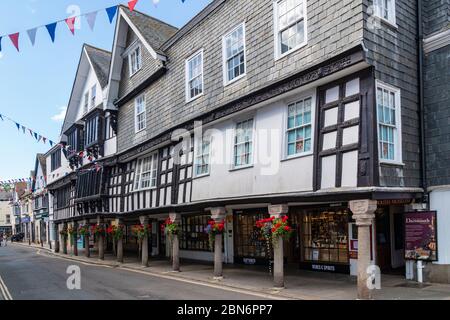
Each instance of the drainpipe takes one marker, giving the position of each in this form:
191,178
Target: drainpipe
422,101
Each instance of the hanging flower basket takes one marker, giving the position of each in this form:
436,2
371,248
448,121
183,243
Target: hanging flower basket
170,228
116,232
214,228
273,228
64,233
83,230
98,230
140,231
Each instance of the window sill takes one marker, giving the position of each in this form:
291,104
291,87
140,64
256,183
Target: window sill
280,56
201,176
392,163
144,189
390,24
297,156
140,131
235,80
188,100
241,168
133,74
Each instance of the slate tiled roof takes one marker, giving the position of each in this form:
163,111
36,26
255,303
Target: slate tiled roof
43,163
101,61
155,32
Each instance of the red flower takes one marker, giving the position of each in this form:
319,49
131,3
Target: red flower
287,228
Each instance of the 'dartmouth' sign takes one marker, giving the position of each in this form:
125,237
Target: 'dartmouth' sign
421,236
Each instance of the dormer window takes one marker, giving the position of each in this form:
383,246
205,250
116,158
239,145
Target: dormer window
93,95
135,60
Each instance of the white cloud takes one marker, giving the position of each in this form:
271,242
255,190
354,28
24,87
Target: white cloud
1,55
61,115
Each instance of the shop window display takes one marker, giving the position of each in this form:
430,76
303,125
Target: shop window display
325,236
249,241
193,235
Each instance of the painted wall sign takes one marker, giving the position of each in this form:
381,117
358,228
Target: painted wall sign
421,236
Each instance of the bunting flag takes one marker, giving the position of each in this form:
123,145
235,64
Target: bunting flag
71,24
111,11
91,18
15,40
51,28
132,4
33,134
32,35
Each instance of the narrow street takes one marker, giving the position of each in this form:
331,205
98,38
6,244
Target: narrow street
29,275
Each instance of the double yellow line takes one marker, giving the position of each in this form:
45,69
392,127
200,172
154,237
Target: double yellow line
4,290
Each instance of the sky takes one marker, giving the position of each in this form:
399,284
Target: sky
35,83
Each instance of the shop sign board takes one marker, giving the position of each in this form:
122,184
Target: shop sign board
421,236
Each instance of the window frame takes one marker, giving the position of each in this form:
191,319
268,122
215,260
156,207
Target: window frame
398,150
137,182
188,81
91,132
93,97
233,152
288,102
392,19
277,37
55,157
136,114
197,155
86,102
227,81
138,59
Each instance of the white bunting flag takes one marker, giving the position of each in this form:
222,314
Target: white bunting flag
32,35
91,17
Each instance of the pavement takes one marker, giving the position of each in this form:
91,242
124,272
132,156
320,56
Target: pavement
256,281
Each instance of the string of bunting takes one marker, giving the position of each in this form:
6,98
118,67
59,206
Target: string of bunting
24,130
91,18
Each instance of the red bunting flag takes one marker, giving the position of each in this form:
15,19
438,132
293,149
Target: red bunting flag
132,4
71,24
15,40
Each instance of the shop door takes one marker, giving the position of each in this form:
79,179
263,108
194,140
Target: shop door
250,246
383,238
398,240
162,240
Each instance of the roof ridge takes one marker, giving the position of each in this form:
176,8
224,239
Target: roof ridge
96,48
148,16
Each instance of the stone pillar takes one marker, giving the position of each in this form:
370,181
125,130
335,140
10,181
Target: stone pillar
176,218
363,213
74,238
87,251
218,214
56,228
119,244
278,211
100,241
144,255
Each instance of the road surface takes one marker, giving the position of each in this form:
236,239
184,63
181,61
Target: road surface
27,275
